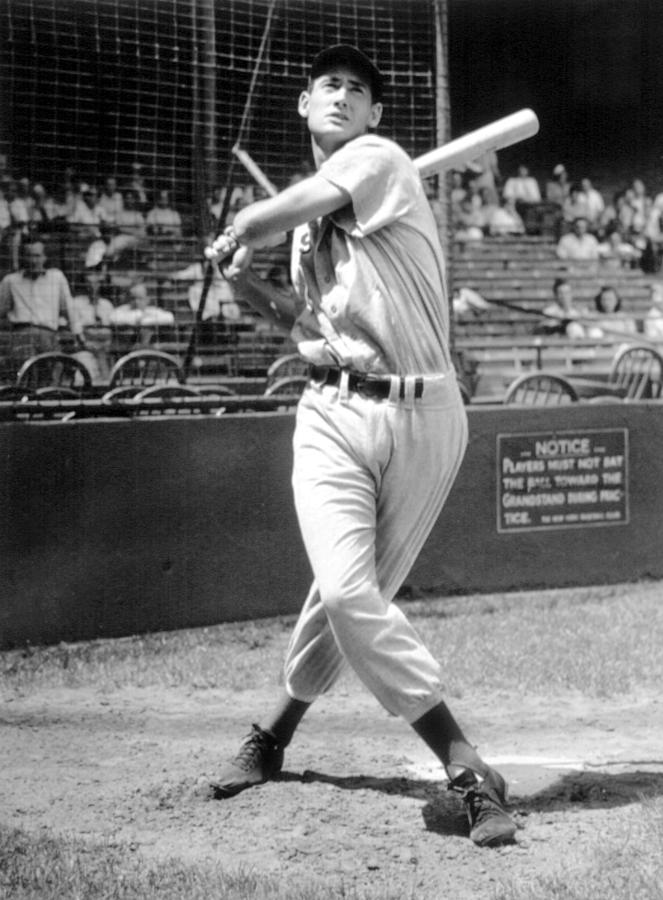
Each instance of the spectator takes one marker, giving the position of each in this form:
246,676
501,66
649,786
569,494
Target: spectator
94,314
137,312
578,244
111,200
558,185
504,219
129,230
136,183
220,303
488,175
522,188
88,216
34,301
44,210
19,216
653,323
618,253
609,321
638,195
594,204
163,219
575,206
563,314
468,223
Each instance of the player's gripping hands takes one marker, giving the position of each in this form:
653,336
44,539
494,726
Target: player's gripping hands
227,252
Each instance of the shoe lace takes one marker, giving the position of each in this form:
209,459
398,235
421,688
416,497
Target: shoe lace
256,744
481,799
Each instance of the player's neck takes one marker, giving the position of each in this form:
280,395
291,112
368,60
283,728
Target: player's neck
325,146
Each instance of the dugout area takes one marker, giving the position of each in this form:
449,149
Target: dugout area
113,528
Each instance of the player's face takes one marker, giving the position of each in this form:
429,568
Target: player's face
338,106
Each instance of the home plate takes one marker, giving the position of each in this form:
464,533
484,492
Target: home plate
524,774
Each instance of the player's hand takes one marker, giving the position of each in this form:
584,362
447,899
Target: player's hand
223,247
239,263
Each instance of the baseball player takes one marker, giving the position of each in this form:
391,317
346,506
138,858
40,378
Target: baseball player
380,429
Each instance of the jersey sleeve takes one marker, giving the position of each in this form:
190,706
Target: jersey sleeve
380,178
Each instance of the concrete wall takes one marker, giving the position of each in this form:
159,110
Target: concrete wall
110,528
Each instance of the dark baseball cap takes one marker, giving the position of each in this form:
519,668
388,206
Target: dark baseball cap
352,58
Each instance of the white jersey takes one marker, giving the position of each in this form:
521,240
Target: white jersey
370,278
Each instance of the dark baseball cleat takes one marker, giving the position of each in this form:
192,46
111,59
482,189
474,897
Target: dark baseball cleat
484,800
260,758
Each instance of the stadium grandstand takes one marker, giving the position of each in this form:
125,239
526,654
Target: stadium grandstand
153,96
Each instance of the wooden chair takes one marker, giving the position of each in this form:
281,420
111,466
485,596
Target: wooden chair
289,364
54,374
540,389
638,370
144,368
291,385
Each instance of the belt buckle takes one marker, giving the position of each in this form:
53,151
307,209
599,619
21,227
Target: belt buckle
371,387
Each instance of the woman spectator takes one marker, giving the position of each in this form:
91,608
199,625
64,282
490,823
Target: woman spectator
608,321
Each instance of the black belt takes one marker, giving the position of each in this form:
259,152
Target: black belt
375,387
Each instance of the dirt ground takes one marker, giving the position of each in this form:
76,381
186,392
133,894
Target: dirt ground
360,803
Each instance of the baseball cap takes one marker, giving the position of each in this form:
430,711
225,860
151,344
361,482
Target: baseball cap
352,58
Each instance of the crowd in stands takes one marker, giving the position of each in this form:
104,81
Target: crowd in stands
624,230
114,219
110,226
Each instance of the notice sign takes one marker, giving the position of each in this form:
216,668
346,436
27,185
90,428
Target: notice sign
567,479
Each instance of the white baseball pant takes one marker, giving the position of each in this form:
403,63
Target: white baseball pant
370,479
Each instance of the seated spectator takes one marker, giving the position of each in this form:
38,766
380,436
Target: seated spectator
19,223
488,175
35,302
574,207
163,219
578,244
609,322
653,323
638,195
558,185
111,200
594,204
522,188
44,210
220,303
129,229
563,313
504,219
88,216
94,313
468,223
617,253
137,312
136,183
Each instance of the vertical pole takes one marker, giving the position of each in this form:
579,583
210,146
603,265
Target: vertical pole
443,134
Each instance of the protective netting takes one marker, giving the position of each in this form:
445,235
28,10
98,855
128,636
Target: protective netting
100,85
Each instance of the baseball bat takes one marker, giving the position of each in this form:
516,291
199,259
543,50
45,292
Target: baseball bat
495,136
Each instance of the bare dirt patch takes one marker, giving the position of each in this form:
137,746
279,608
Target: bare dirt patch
360,803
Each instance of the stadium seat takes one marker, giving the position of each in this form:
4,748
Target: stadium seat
55,370
145,368
638,370
540,389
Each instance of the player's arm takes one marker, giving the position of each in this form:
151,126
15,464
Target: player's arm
261,223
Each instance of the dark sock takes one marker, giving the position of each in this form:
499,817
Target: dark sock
285,719
440,731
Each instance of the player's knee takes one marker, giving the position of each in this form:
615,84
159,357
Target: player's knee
344,600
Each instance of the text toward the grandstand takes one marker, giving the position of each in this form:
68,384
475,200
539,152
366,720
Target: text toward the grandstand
562,480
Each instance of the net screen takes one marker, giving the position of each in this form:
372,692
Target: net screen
104,86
